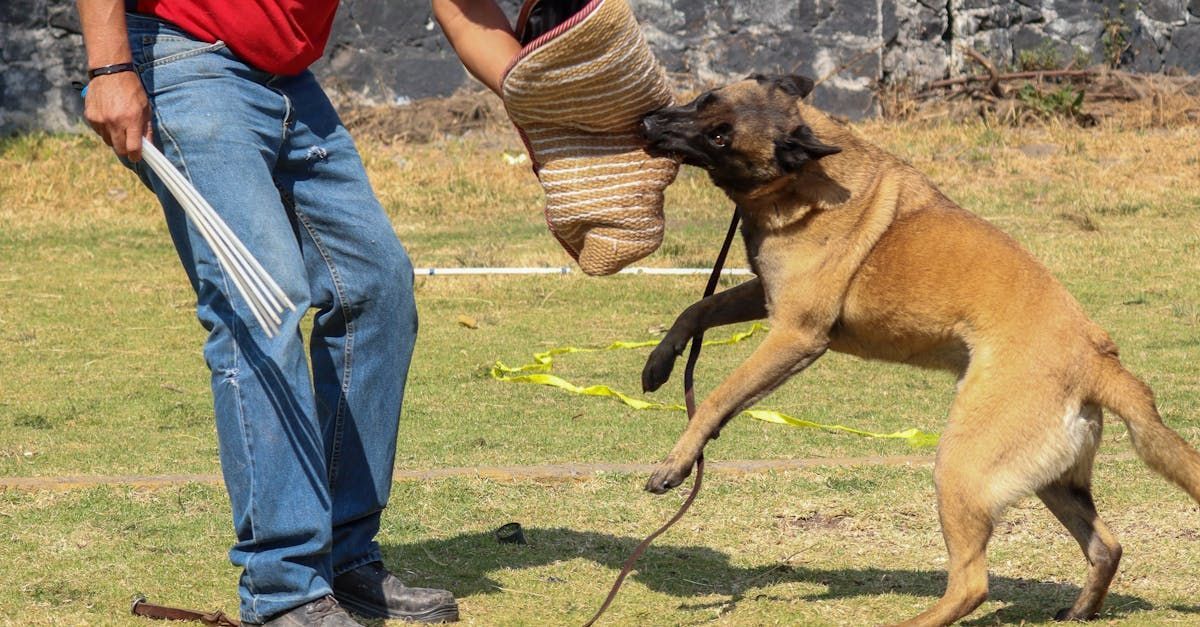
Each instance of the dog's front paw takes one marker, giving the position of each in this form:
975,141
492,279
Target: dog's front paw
659,365
669,475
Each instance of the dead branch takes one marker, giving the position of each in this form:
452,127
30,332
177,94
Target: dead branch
1010,76
993,76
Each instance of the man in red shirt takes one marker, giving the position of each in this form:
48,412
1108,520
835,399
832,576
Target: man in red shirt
221,88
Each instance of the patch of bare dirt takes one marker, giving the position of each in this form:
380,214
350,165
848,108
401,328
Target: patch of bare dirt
789,524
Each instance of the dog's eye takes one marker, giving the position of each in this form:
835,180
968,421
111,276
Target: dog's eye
719,136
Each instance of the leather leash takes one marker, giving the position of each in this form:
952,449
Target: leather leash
689,396
162,612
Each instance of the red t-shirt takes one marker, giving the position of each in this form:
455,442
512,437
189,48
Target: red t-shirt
276,36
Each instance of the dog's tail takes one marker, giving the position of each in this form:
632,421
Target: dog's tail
1159,447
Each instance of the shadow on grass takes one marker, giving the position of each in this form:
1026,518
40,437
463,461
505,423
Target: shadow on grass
463,564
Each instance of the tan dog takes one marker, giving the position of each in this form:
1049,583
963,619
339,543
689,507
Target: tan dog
857,252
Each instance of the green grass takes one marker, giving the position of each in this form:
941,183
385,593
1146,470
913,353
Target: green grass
816,547
102,374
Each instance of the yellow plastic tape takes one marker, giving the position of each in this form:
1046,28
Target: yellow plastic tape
538,372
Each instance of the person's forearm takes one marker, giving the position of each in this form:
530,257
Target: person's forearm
116,105
104,34
480,34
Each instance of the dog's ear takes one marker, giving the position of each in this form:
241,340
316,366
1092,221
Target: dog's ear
795,85
792,85
800,147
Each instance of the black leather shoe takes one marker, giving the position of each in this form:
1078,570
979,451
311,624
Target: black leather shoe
371,591
324,612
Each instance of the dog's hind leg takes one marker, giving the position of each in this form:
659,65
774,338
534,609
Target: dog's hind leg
1072,505
1069,498
1004,441
741,303
966,517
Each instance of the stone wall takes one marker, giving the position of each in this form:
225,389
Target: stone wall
41,52
393,52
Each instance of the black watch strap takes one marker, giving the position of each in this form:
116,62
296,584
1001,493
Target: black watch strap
115,68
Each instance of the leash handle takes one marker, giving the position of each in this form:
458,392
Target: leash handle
689,397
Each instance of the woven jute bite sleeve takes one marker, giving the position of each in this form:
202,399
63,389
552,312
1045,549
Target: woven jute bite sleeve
576,95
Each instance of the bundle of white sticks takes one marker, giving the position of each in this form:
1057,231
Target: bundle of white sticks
264,297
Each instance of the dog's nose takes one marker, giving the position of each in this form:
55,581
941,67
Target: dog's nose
649,127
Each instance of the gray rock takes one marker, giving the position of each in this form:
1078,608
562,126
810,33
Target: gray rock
889,28
918,52
1172,11
1184,51
1028,37
23,13
40,54
853,104
1146,55
1075,11
63,17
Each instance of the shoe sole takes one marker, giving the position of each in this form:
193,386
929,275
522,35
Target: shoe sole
441,614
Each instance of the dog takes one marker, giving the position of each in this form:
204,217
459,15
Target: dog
855,251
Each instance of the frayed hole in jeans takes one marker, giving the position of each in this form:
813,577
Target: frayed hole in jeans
229,376
316,153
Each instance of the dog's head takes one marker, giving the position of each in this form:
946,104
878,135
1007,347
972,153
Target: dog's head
746,135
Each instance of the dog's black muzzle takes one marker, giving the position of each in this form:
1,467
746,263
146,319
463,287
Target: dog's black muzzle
656,127
657,123
669,132
650,127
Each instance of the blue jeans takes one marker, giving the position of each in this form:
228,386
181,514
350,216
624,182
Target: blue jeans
306,457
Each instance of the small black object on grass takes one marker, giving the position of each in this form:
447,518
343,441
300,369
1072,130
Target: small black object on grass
510,533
